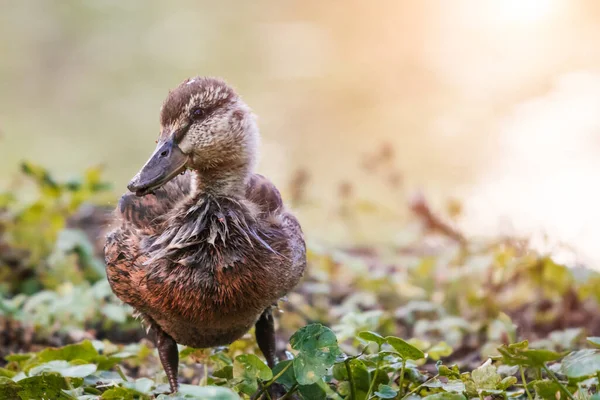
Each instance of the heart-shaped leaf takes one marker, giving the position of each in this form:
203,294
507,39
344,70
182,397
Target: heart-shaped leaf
317,351
249,368
406,350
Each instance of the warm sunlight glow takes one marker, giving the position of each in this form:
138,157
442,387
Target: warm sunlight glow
523,11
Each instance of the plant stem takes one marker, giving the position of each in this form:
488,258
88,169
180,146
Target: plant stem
268,395
401,382
71,389
292,390
120,372
559,383
351,379
279,374
420,386
272,381
374,375
525,383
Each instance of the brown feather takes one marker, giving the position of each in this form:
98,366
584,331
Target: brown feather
206,269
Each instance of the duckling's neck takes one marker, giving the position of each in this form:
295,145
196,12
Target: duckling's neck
228,181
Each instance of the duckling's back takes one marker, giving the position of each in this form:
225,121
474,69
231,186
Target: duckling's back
204,267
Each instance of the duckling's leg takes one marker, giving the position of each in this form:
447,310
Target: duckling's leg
265,336
169,355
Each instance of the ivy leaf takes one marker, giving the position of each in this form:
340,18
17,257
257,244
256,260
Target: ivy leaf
372,337
317,351
406,350
249,368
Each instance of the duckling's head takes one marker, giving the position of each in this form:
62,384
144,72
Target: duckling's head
204,126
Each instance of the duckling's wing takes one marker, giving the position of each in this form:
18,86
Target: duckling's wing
262,192
145,212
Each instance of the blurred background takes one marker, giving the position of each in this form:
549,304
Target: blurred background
493,104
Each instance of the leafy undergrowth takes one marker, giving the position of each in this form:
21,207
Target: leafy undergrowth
455,318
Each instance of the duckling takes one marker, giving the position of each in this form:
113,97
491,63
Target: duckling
204,247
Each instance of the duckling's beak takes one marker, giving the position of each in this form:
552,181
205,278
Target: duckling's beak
166,162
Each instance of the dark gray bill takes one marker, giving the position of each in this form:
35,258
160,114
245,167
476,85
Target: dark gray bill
166,162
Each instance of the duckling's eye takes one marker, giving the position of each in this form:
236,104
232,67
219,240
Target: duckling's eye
198,113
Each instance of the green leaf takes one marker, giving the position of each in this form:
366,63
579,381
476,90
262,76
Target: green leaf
19,357
81,351
546,390
372,337
454,385
316,391
119,393
249,368
406,350
386,392
7,373
225,373
581,363
360,373
9,389
507,382
445,396
317,351
64,368
43,387
288,379
452,373
541,356
520,354
486,376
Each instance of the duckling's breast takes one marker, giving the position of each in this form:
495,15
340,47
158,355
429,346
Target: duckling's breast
207,275
211,288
